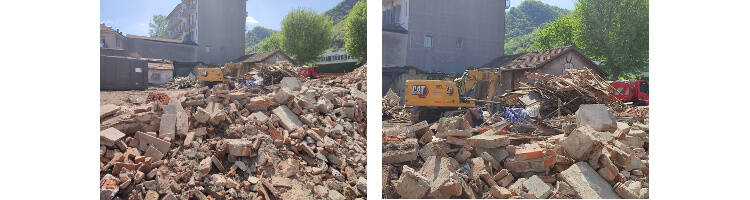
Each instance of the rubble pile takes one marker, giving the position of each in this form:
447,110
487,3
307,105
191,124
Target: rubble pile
301,140
598,150
189,81
392,110
273,73
565,92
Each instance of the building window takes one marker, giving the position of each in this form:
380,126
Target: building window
460,43
208,49
396,14
428,41
102,44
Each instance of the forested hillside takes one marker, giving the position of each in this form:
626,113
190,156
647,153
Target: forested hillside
521,21
255,35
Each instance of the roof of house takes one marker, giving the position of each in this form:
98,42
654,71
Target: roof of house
159,39
104,27
163,66
535,59
259,57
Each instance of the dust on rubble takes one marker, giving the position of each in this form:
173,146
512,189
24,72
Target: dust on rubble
288,137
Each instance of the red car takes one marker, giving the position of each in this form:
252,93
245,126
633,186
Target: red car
635,91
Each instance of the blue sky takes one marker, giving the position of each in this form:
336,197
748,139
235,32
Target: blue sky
132,16
566,4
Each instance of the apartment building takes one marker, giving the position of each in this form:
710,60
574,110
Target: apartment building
442,35
216,27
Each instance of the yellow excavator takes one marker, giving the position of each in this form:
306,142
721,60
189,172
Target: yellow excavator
214,75
428,99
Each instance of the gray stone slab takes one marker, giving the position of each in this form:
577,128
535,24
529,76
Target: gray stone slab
262,118
107,110
167,126
154,153
144,140
587,182
290,83
109,136
239,147
403,152
597,116
536,186
289,120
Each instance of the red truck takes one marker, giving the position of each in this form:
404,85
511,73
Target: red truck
635,91
313,72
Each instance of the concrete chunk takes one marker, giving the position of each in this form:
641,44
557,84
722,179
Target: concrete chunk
290,83
580,143
262,118
110,136
411,185
597,116
154,153
402,152
629,190
181,122
144,140
239,147
489,141
168,124
536,186
107,110
289,120
587,182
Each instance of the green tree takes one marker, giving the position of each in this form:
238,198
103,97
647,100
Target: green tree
521,44
158,26
356,32
274,42
615,32
306,35
557,33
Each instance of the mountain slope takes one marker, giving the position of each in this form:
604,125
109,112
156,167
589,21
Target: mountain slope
521,21
254,36
339,12
338,16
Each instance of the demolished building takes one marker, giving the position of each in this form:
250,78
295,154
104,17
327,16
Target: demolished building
582,144
296,138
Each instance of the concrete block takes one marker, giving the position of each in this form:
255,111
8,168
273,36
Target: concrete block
536,186
201,115
290,83
167,126
411,185
262,118
107,110
144,140
434,148
580,143
587,183
110,136
182,121
239,147
154,154
597,116
289,120
500,192
401,152
629,190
